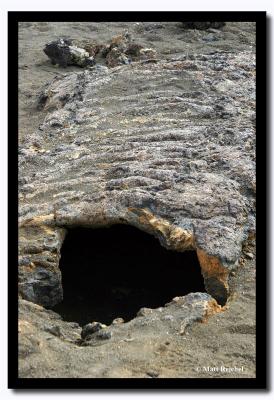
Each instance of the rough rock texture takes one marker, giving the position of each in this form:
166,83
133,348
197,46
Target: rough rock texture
203,25
121,50
166,147
64,53
151,343
43,332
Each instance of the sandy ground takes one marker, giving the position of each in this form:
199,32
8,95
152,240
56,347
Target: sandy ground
228,338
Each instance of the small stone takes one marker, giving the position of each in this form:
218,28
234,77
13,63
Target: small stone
144,312
54,330
129,339
250,256
117,321
146,54
91,328
116,57
210,38
104,335
152,374
176,299
74,325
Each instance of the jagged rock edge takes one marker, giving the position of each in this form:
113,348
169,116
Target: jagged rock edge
170,236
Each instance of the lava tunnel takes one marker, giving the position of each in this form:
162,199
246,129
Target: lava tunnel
113,272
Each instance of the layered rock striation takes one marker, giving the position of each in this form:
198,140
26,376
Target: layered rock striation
167,147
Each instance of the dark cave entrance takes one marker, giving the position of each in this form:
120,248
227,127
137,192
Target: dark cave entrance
113,272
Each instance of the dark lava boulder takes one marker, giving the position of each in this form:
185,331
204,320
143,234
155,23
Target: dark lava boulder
121,50
64,53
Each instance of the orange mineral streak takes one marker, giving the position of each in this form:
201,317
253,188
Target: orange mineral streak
212,308
212,267
177,238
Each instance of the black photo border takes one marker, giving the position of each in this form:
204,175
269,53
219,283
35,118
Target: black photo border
261,380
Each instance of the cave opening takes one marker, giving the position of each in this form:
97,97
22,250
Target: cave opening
112,272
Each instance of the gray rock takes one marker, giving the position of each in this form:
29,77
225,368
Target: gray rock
119,51
164,147
55,330
104,335
249,255
153,374
117,321
64,53
210,38
203,25
91,328
143,312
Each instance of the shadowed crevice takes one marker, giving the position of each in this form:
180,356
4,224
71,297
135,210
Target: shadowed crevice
113,272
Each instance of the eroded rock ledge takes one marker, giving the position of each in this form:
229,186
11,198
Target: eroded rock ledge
167,147
48,346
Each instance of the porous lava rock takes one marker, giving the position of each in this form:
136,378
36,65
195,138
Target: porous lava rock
203,25
167,147
64,53
121,50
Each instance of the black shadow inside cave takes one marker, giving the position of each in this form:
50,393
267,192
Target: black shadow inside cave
113,272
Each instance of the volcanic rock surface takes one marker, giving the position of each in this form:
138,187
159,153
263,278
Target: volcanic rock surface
203,25
167,147
121,50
